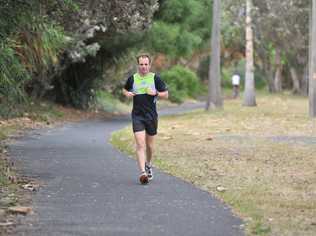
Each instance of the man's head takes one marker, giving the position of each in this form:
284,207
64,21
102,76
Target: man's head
144,62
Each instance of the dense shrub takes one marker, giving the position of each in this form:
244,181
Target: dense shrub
172,40
182,83
13,76
30,46
27,61
180,28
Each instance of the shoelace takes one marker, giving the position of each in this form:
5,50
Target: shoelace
148,169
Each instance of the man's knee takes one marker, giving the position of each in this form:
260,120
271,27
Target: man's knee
140,145
150,143
140,140
150,146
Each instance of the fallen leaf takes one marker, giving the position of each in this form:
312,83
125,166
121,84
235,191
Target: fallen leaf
12,179
3,224
221,189
20,210
31,187
167,138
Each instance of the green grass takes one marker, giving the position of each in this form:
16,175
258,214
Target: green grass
108,103
3,177
5,131
270,184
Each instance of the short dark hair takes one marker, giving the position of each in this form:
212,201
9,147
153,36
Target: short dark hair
143,55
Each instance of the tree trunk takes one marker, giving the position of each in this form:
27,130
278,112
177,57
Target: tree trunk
267,68
312,70
249,94
214,99
271,86
305,81
278,71
295,80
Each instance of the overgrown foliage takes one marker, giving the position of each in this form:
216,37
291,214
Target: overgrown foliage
29,54
180,27
48,57
182,83
32,36
30,48
12,80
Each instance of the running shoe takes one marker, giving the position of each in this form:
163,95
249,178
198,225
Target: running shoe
149,171
143,178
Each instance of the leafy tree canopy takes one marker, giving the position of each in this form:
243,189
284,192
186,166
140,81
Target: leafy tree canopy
180,27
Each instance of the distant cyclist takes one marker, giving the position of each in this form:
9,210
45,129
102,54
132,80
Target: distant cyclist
145,87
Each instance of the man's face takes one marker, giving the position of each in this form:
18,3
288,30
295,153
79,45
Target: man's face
143,65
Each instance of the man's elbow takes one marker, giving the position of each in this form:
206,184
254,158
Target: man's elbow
124,91
165,95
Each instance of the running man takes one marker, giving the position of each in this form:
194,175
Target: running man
145,87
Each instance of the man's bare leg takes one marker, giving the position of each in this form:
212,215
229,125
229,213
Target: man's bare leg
140,149
149,156
149,147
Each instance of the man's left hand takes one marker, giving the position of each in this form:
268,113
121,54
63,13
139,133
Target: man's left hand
152,92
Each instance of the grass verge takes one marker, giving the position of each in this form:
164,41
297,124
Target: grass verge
260,160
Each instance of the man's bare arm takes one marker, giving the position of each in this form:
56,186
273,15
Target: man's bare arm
128,93
163,94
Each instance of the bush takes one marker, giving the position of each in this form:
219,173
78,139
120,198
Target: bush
162,38
180,28
172,40
182,83
12,80
26,61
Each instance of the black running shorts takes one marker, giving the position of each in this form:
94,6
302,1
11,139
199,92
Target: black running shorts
150,126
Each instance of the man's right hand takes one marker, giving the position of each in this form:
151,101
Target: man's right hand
128,93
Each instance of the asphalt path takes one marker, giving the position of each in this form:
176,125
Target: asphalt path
90,188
